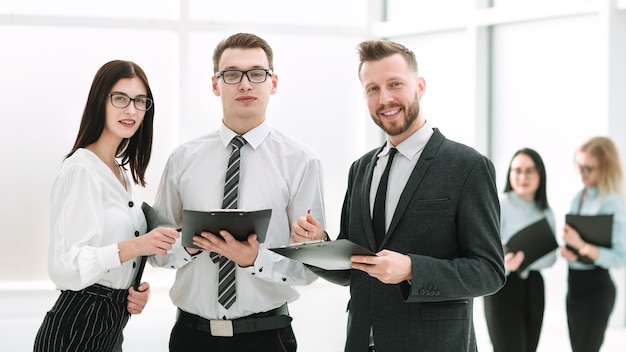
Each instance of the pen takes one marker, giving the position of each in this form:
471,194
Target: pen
306,232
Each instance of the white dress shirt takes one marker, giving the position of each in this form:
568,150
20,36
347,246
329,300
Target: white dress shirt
90,212
275,172
409,152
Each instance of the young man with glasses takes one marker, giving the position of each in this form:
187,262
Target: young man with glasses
274,172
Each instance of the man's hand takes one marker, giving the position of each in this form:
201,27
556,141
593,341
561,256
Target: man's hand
243,253
307,229
387,266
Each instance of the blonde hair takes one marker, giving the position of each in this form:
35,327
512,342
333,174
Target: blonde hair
610,176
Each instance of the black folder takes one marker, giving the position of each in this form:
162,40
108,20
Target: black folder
535,240
594,229
328,255
238,222
152,219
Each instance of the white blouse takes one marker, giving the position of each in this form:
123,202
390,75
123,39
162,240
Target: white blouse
90,212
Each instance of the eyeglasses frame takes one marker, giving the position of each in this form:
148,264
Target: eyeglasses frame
268,72
134,100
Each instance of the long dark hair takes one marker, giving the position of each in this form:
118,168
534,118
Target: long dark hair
541,198
134,151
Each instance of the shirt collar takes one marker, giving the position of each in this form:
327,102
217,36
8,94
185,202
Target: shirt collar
254,137
592,192
413,145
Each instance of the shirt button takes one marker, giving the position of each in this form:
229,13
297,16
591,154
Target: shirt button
134,265
131,204
136,233
284,279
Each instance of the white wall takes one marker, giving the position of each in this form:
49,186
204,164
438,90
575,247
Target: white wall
48,68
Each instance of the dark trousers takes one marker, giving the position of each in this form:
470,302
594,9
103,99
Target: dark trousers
90,320
590,301
185,339
514,314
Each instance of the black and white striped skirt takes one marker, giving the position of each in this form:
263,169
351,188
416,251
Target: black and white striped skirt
91,319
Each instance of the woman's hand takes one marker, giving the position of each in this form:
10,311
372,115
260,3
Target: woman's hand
158,241
137,300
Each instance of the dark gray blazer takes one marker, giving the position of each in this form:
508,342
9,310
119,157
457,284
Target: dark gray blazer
447,221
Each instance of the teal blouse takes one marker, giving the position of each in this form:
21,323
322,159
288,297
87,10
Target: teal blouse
516,214
594,204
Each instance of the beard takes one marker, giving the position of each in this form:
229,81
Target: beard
410,112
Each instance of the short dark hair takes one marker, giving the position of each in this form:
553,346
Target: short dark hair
242,41
374,50
541,197
134,151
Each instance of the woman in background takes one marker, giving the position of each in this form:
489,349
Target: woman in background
514,314
591,291
95,222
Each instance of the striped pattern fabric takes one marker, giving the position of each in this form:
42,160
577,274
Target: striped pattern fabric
226,290
84,321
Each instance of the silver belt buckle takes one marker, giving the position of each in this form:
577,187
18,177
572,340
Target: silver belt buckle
222,328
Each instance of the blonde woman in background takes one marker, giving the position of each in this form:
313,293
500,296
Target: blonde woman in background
591,291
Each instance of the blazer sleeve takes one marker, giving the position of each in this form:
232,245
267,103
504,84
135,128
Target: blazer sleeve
473,264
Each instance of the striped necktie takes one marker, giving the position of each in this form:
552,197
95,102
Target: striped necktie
226,290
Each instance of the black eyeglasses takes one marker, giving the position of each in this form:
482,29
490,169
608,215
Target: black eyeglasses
122,100
257,75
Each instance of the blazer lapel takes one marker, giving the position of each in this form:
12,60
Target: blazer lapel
365,204
418,173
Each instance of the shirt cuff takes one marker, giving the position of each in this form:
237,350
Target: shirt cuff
108,257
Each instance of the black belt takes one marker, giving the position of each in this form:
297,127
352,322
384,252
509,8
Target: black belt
99,291
273,319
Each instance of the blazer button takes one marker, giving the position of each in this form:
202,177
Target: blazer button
422,292
131,204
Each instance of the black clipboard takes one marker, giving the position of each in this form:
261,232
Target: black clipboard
152,219
535,240
238,222
595,229
328,255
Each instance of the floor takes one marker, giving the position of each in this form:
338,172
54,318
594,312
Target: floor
319,317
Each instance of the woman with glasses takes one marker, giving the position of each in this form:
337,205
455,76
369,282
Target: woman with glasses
514,314
95,221
591,292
